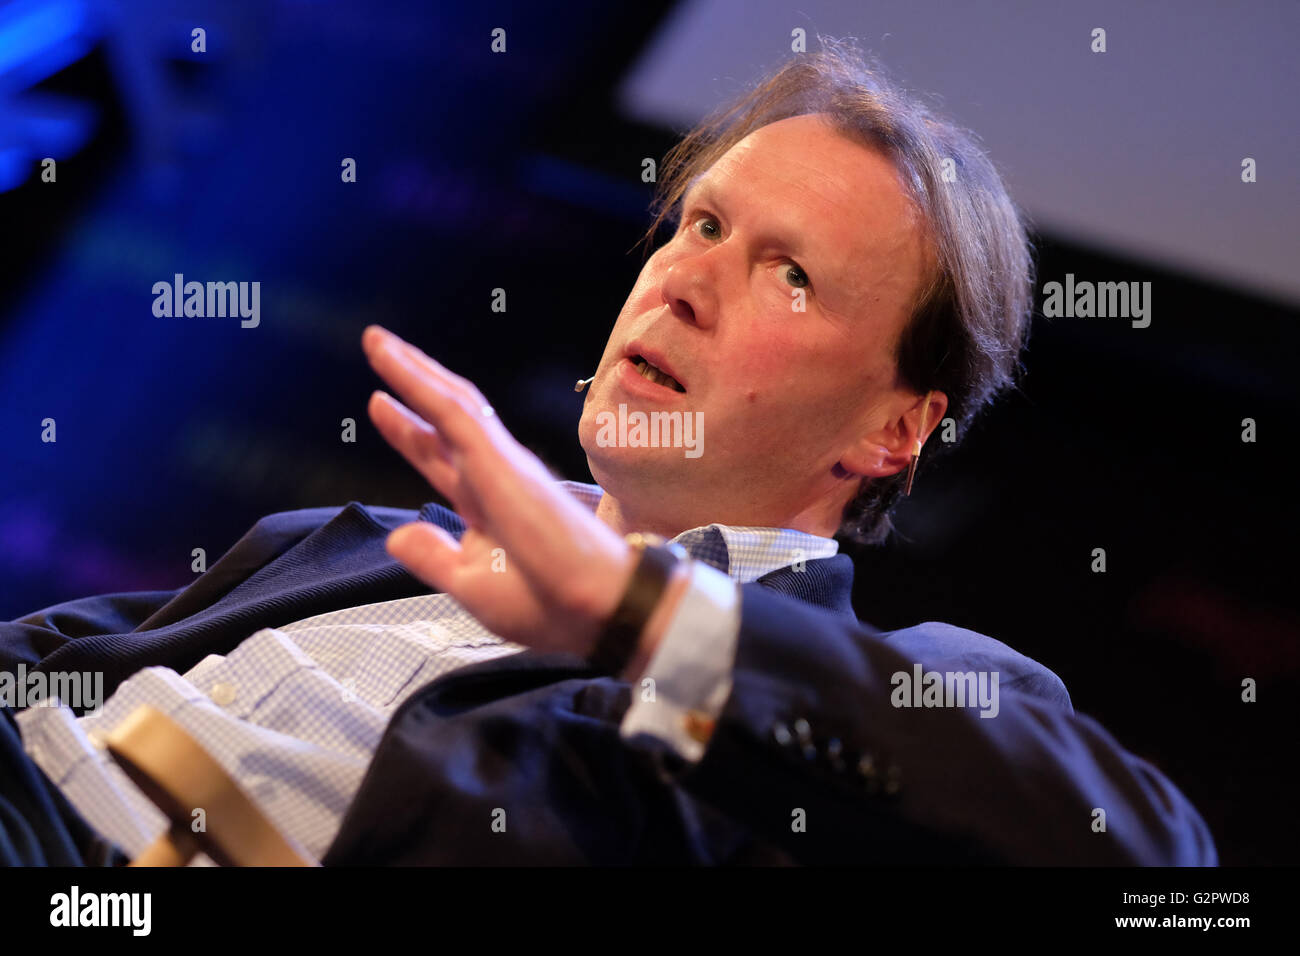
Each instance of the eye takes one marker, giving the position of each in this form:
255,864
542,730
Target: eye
713,230
707,219
797,276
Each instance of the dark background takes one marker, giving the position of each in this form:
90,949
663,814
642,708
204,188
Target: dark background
521,171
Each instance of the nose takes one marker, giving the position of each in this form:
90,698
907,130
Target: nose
690,286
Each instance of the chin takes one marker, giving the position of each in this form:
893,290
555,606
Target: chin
657,464
638,473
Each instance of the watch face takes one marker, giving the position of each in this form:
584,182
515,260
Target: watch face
647,539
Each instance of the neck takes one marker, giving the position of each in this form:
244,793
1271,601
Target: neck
820,519
624,520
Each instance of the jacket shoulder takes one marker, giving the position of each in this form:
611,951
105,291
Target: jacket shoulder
274,539
274,533
936,643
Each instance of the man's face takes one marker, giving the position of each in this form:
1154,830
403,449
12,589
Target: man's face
783,395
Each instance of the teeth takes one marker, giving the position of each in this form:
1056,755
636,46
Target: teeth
653,374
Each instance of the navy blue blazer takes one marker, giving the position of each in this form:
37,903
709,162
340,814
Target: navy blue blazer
518,760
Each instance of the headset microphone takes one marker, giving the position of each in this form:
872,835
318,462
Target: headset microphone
583,383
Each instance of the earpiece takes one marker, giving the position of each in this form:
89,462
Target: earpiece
916,448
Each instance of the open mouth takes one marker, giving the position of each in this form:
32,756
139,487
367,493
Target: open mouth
655,374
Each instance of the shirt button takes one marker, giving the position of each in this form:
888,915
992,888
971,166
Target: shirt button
867,771
222,694
835,753
803,730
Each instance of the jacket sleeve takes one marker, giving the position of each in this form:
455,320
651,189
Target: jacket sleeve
811,754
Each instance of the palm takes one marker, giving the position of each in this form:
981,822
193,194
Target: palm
504,600
533,565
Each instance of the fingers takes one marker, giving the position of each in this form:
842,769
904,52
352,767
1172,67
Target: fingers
448,402
415,439
418,442
495,483
378,334
485,459
429,553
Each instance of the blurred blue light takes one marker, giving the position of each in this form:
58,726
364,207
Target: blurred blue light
14,164
40,37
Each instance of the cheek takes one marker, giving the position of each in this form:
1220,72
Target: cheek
645,295
769,373
772,401
651,276
793,394
751,382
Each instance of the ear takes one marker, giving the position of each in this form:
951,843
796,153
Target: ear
887,450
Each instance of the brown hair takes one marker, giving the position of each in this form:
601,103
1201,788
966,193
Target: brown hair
971,320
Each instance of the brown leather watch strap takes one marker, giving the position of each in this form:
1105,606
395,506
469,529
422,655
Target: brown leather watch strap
618,643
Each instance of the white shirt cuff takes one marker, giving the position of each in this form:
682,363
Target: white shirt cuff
685,687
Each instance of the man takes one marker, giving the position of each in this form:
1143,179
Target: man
825,301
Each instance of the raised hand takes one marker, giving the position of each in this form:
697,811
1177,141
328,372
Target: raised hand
534,565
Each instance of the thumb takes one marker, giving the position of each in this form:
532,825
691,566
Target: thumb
428,552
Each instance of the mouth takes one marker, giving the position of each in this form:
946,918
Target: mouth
648,370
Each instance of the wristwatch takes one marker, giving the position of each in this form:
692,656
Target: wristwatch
618,643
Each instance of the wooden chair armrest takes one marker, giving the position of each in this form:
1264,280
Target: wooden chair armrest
178,775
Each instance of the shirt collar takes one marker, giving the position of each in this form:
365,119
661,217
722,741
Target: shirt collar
745,553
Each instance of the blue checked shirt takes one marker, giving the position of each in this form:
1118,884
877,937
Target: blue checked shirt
295,713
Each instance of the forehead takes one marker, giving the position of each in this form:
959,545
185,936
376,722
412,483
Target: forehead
838,200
